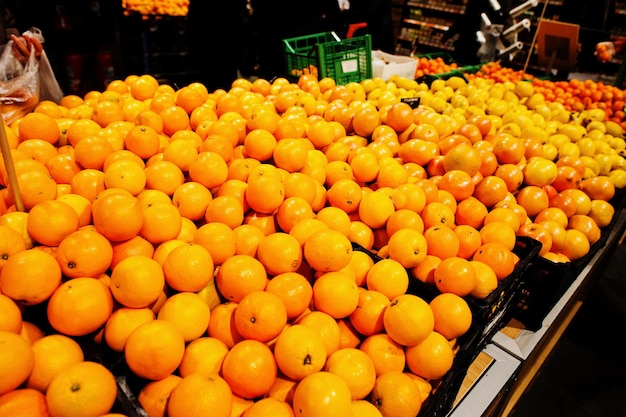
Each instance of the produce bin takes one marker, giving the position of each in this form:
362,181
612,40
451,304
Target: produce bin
327,55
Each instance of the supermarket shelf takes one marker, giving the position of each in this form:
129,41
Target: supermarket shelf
516,354
442,7
428,24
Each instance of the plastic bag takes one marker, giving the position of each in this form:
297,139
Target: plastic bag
22,86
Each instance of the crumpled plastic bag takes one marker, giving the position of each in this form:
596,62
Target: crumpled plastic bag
24,85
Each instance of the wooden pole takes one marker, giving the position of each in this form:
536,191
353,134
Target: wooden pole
10,169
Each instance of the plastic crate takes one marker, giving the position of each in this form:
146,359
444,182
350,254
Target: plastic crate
325,55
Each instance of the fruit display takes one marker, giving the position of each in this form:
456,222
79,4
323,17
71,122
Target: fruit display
156,7
201,245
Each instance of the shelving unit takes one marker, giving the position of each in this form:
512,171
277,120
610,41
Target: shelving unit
430,26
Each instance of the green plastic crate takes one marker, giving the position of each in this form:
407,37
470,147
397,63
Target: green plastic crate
326,55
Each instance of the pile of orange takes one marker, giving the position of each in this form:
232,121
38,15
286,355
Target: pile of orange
207,239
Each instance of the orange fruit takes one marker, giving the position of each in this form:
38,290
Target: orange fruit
250,369
240,275
137,281
291,211
117,216
192,199
50,221
225,209
322,394
498,257
395,394
175,118
247,239
356,368
432,358
196,393
375,209
17,360
127,175
122,322
389,277
38,125
260,315
30,276
336,294
367,318
335,218
539,233
221,324
83,389
218,239
327,250
299,351
404,218
386,354
408,319
469,240
498,231
80,306
269,406
188,312
154,395
486,280
455,275
601,212
161,222
280,252
452,315
294,290
209,169
12,242
577,245
84,253
598,187
265,194
326,326
154,349
53,353
533,198
408,246
133,246
188,267
203,355
587,225
23,402
11,319
436,213
582,202
442,241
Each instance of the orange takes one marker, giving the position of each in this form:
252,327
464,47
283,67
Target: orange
52,353
458,183
38,125
291,211
23,402
240,275
265,194
365,408
399,116
117,216
298,184
327,250
367,318
188,267
154,395
601,212
408,319
326,326
188,312
364,166
409,196
280,252
322,394
299,351
452,315
464,157
250,369
260,315
395,394
356,368
389,277
432,358
81,205
511,174
486,280
599,187
469,240
209,169
134,246
375,209
260,144
408,246
582,202
336,294
502,214
533,198
80,129
12,242
122,322
386,354
11,319
192,199
62,168
587,225
269,406
84,253
175,118
137,281
436,213
164,176
30,276
498,231
557,234
50,221
196,393
83,389
80,306
425,270
455,275
247,239
218,239
38,149
335,218
203,355
126,175
345,194
442,241
161,222
154,349
498,257
490,190
294,290
576,246
17,360
221,324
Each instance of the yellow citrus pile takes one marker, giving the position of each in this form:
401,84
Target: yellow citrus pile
207,237
156,7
